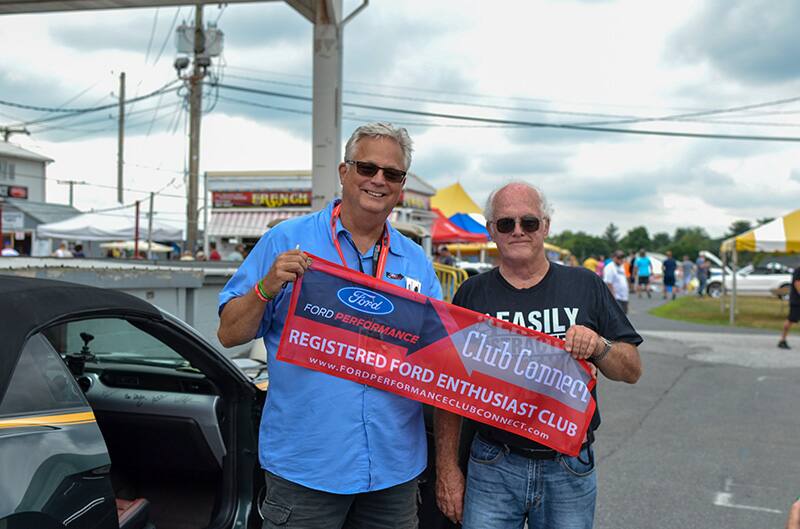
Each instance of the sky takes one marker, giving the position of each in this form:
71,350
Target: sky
622,64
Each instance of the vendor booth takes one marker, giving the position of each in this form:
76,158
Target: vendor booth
781,235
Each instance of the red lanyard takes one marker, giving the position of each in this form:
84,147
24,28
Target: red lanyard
384,245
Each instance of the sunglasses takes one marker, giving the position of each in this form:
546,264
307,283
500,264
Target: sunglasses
528,223
369,170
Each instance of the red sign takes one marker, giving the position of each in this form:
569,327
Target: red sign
356,327
261,199
13,191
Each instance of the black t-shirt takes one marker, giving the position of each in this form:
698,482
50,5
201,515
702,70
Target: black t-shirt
794,296
564,297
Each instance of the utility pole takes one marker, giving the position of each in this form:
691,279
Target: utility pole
120,137
71,184
200,63
8,131
150,228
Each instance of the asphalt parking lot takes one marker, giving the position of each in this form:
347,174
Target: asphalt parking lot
708,438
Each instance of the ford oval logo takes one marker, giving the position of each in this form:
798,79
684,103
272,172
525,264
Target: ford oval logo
365,300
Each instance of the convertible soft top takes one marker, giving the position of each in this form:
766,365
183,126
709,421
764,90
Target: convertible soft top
26,304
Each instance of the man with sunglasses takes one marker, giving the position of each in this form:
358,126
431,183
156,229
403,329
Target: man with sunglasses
512,480
335,453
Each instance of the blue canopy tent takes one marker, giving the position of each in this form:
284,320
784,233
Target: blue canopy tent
466,222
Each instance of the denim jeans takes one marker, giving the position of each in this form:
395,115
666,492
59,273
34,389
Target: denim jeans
290,505
504,490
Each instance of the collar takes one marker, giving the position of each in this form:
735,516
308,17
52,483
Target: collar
396,246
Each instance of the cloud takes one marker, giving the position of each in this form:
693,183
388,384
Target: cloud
795,175
266,25
439,166
124,34
753,42
524,162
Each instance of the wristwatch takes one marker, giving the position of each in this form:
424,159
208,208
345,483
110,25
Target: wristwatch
602,354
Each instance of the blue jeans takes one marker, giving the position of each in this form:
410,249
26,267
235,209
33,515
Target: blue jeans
505,489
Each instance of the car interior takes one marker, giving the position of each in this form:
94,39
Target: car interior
168,422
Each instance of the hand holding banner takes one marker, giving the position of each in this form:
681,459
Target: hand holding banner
356,327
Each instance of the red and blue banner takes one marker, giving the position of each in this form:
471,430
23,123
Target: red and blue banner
356,327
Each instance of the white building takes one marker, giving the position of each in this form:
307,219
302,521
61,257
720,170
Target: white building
23,179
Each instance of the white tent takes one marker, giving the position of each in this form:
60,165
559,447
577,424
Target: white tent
129,246
112,225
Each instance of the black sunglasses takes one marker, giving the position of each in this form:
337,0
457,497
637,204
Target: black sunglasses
529,224
369,170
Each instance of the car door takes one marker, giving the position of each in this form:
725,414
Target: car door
54,461
168,403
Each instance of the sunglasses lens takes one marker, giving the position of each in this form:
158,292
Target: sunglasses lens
505,225
393,175
366,168
529,224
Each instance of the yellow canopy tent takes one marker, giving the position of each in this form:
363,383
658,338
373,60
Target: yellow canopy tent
781,235
453,199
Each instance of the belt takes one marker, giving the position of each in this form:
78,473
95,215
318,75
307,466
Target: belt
530,453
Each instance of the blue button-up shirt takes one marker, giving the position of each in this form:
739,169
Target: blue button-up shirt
320,431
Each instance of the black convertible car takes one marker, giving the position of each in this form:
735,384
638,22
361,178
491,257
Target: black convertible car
116,414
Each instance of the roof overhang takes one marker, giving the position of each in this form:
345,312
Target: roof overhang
44,6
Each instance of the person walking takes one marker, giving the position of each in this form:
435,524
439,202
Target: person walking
687,273
701,269
644,269
512,480
669,267
794,308
335,453
614,277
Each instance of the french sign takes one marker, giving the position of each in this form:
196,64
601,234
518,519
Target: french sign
353,326
261,199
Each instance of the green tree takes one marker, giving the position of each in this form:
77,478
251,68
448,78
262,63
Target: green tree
611,236
581,244
661,242
765,220
635,239
737,227
689,241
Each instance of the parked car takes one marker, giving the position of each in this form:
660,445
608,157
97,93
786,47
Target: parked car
115,414
765,279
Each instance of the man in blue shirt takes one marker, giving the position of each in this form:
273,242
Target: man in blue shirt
644,268
335,453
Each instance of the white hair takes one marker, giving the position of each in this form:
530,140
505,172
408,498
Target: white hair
381,130
547,209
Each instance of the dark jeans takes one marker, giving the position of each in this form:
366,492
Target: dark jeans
289,505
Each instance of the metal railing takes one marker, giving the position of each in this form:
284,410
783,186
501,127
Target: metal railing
451,278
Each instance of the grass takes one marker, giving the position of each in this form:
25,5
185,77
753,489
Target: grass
751,311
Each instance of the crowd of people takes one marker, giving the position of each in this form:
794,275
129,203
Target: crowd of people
685,276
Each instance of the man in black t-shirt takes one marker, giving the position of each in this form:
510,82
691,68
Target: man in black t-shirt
511,479
794,308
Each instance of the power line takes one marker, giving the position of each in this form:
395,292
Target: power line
82,110
152,34
533,124
617,118
169,33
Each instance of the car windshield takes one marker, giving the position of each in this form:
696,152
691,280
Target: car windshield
114,340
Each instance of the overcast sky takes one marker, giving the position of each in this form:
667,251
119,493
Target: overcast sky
547,61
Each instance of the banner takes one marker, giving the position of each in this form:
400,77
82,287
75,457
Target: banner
353,326
261,199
